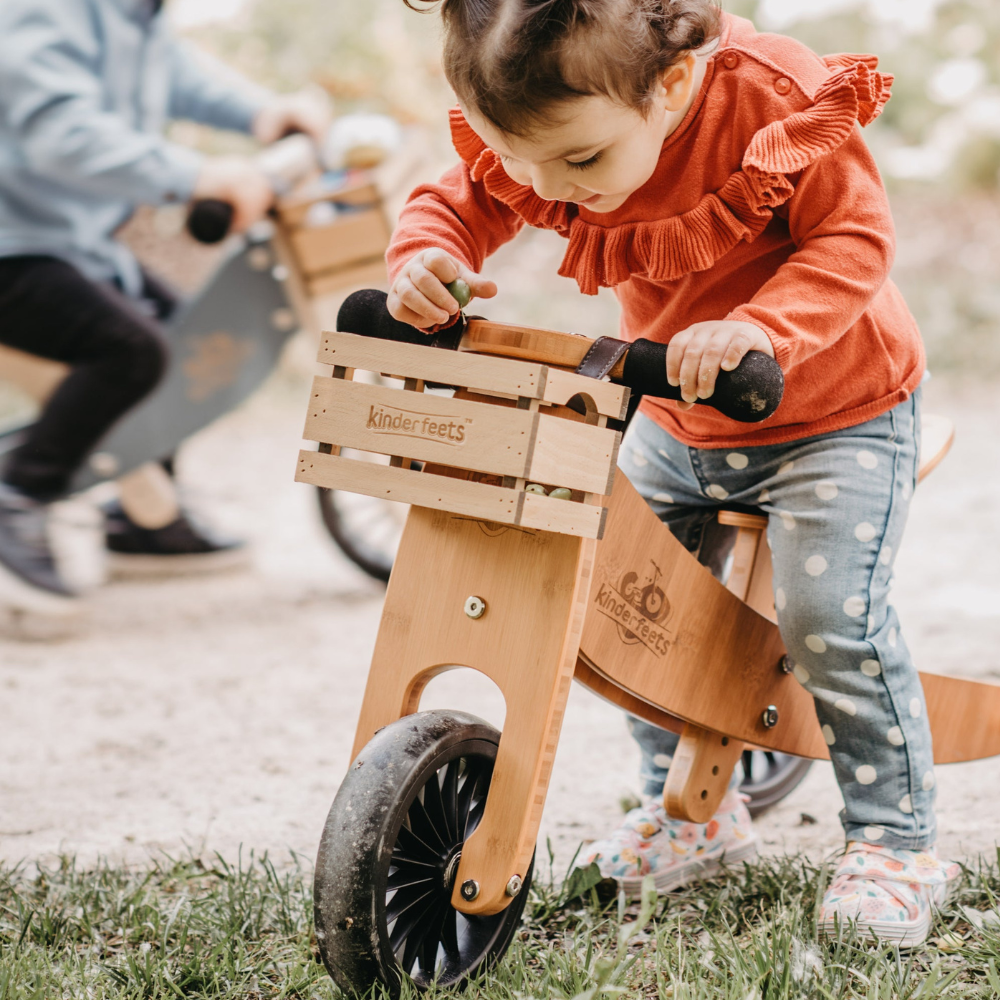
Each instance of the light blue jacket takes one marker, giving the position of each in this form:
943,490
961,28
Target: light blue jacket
86,87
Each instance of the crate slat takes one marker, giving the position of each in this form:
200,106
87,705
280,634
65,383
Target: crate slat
463,434
473,371
470,499
356,237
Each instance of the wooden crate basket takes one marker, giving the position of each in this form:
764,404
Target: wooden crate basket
506,427
348,249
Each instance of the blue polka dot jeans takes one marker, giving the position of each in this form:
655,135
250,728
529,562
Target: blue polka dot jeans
836,506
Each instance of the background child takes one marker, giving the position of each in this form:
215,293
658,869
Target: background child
717,180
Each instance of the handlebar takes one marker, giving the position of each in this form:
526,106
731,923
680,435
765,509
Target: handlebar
751,392
209,220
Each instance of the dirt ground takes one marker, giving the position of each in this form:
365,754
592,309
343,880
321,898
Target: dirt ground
217,713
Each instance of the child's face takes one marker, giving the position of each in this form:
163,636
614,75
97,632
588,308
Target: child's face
601,152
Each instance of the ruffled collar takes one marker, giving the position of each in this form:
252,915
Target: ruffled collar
666,249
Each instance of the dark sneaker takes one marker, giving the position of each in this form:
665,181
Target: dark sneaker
29,577
183,546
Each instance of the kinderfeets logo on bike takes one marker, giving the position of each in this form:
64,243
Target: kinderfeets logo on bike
417,424
638,610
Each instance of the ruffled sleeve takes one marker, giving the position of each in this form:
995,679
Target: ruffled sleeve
667,249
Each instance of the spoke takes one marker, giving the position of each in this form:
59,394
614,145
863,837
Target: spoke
474,778
434,808
410,928
410,875
413,843
449,931
429,950
748,765
449,798
405,900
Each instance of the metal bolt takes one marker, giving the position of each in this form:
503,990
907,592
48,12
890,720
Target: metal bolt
769,717
785,664
475,607
514,885
470,889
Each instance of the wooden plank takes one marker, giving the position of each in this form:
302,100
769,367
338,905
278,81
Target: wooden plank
356,237
553,347
461,433
473,371
460,496
293,208
534,588
363,275
699,774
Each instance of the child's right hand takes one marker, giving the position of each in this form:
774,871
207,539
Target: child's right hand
418,295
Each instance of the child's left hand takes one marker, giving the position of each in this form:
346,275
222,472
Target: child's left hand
696,355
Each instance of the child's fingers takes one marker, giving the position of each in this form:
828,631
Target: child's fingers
440,264
721,345
429,285
675,356
689,370
736,351
406,295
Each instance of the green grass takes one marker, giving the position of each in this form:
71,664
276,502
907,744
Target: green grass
193,928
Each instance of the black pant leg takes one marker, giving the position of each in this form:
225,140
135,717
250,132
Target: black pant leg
116,356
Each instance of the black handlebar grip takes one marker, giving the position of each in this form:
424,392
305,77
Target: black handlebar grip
209,220
365,314
749,393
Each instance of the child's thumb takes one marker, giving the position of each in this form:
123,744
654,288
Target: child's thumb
482,288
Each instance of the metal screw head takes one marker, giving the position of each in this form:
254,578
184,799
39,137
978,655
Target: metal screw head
769,717
514,885
785,664
475,607
470,889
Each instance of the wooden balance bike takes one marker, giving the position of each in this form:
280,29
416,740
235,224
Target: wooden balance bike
427,853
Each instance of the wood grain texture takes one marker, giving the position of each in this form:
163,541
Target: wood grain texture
356,237
463,433
534,585
699,774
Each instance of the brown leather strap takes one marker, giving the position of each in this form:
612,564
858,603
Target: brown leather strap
602,357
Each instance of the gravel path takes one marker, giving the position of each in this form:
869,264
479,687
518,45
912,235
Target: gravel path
216,713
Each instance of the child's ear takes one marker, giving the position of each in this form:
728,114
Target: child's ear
676,82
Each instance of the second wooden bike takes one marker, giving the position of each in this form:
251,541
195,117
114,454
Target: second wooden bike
428,849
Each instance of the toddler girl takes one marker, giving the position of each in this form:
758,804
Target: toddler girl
717,180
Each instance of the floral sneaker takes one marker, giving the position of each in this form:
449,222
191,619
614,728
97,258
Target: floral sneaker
674,851
888,893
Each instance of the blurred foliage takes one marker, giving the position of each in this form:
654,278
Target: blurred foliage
937,143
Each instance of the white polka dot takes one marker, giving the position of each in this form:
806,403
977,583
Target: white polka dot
906,804
907,490
928,781
865,774
815,643
737,461
885,556
716,491
801,674
663,760
864,532
787,521
846,706
892,637
663,497
829,736
867,460
826,489
871,668
780,599
785,468
854,607
895,736
638,458
915,708
765,496
816,565
873,833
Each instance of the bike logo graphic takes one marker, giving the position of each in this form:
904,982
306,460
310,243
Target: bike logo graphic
638,609
214,362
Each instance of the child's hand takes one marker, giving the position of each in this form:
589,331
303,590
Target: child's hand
695,355
418,295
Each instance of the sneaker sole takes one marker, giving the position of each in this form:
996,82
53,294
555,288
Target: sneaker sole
33,614
905,935
695,870
122,566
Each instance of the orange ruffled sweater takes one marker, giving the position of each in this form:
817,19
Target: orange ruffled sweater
765,206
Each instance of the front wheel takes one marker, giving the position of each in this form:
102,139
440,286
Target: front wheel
389,855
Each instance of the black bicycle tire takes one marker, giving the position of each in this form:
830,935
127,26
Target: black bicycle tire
364,557
778,785
361,838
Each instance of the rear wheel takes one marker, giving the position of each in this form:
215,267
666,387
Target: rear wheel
769,776
389,856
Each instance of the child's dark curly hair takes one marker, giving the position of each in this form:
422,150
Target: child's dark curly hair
515,61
